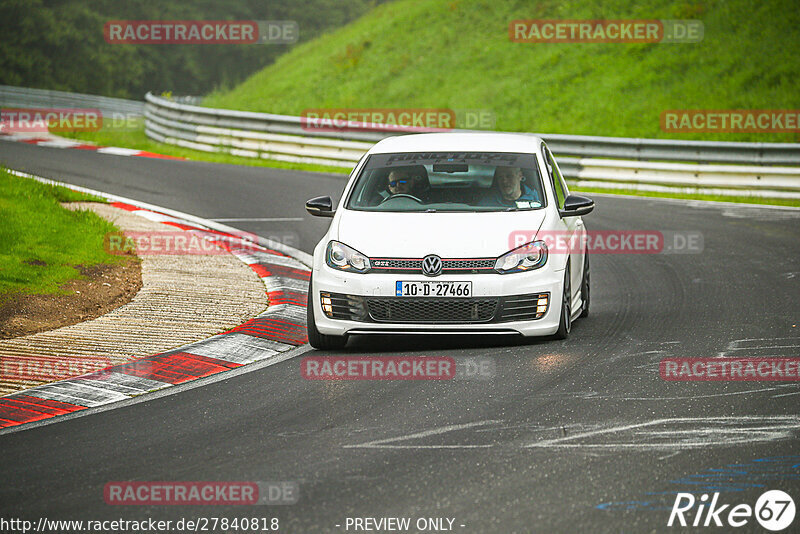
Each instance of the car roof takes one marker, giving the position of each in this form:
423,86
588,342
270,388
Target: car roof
459,142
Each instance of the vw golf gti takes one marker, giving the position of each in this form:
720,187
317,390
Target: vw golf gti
426,240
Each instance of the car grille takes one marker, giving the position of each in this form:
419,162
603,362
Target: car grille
469,263
413,310
422,310
449,266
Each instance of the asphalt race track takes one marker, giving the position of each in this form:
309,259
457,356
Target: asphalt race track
575,436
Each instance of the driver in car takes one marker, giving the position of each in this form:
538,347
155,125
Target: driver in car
509,189
410,181
402,182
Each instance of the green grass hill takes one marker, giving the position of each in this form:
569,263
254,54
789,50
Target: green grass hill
457,54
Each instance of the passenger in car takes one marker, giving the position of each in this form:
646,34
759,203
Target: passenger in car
509,189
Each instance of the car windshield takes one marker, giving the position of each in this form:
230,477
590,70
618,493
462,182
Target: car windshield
448,181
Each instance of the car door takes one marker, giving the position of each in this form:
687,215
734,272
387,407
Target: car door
574,225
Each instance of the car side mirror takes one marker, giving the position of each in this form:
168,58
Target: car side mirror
320,207
575,205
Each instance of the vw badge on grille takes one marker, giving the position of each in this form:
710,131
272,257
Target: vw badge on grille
432,265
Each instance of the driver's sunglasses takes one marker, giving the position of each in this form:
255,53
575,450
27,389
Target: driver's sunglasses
393,183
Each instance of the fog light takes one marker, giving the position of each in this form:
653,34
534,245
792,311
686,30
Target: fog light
327,307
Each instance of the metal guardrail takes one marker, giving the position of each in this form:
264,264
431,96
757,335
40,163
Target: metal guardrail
749,168
247,121
740,180
567,145
674,150
23,97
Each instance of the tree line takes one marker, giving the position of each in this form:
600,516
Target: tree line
59,44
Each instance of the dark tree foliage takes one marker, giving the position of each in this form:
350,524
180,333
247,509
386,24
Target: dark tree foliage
59,44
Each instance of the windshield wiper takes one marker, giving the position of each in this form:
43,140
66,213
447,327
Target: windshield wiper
512,208
430,210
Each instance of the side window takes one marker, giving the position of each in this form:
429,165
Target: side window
555,178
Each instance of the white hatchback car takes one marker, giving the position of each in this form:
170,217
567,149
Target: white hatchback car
443,233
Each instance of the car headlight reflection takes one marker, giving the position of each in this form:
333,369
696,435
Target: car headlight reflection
525,258
340,256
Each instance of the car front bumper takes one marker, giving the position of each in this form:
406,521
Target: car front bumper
372,287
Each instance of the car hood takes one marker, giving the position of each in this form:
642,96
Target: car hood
449,235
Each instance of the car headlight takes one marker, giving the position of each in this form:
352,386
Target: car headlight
340,256
525,258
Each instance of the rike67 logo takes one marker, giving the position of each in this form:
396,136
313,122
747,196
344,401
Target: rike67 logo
774,510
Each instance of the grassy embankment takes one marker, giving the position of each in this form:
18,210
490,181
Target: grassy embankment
42,242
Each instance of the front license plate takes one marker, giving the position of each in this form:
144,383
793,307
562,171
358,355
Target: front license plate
433,289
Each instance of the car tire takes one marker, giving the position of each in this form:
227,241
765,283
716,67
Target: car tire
565,323
315,338
585,294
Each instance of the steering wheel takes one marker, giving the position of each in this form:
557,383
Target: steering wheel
398,195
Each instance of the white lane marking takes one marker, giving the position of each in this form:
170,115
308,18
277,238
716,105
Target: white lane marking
766,339
260,219
680,433
747,213
777,343
699,203
718,431
764,347
58,143
690,397
525,426
158,217
382,443
747,344
594,395
786,394
117,151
